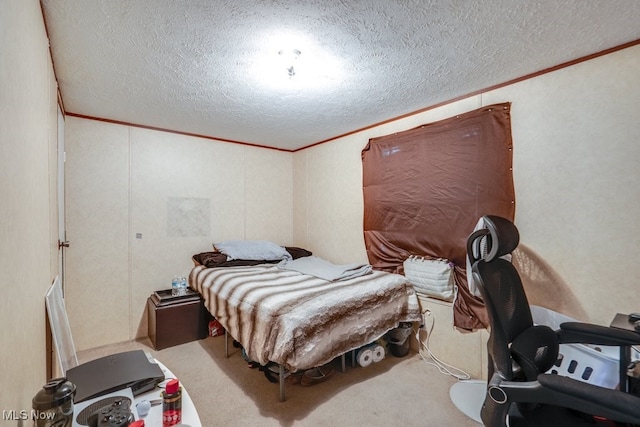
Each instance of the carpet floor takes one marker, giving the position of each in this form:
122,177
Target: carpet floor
227,392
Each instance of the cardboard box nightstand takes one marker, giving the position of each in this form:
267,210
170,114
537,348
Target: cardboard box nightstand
176,320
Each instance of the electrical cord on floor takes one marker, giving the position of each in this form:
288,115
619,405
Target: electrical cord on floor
431,358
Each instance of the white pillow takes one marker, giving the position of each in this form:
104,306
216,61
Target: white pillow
252,250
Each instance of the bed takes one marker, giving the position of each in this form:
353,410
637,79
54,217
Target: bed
300,321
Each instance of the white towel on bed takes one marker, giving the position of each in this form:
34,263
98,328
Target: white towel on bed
323,269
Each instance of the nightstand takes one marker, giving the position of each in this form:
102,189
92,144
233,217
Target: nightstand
174,320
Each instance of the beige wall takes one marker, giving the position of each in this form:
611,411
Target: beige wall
28,213
140,203
576,152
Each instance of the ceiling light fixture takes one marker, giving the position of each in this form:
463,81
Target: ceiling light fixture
289,57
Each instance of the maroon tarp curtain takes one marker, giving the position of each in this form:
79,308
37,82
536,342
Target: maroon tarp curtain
426,188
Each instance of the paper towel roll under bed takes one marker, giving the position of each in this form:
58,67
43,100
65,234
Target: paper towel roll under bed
364,356
378,353
369,354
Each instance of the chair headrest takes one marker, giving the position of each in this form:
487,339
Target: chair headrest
500,238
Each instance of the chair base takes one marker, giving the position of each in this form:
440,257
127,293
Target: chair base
468,396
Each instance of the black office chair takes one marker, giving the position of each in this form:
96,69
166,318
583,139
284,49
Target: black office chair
520,353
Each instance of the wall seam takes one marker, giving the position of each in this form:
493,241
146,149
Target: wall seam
129,239
306,199
244,190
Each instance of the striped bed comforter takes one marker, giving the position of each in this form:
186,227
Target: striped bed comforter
301,321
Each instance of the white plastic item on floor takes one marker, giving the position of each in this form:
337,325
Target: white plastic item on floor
592,364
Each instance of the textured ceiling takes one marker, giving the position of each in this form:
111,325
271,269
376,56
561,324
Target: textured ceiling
202,66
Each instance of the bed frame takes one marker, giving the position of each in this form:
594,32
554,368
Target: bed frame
299,321
282,375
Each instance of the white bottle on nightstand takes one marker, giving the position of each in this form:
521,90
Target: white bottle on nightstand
179,286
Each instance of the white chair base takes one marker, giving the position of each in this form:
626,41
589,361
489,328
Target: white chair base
468,396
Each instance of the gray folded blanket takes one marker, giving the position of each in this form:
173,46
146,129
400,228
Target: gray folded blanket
323,269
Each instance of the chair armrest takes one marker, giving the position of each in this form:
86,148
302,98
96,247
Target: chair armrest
599,400
566,392
587,333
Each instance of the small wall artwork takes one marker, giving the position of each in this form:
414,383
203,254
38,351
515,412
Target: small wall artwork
188,217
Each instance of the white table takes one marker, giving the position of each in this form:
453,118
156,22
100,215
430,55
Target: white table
154,417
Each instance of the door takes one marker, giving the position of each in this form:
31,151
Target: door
62,243
62,234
